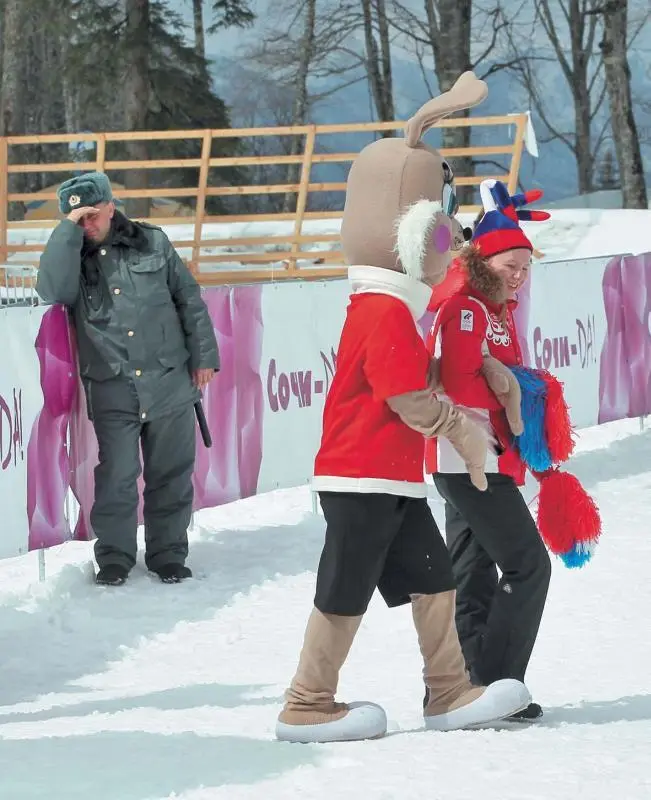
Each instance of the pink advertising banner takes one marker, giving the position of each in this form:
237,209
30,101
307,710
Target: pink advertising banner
586,321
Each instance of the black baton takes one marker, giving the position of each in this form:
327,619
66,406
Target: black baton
203,424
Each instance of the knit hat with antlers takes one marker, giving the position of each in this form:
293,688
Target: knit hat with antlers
499,229
400,199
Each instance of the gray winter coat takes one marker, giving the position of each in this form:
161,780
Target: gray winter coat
136,308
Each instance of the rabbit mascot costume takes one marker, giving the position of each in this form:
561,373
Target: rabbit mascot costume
398,232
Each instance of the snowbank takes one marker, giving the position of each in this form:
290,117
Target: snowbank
571,234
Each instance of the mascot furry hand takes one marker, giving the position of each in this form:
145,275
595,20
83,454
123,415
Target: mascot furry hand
568,518
501,381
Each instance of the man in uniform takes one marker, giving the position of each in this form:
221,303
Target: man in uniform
146,349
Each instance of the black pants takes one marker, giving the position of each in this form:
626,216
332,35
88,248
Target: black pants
168,453
378,541
497,620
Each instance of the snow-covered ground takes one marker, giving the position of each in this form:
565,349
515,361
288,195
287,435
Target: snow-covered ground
151,691
571,234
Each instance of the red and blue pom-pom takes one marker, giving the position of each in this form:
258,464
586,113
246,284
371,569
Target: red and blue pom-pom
568,518
532,443
547,439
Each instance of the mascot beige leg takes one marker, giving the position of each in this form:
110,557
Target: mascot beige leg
311,713
451,701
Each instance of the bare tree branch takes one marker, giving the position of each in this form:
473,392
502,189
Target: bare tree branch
499,22
596,108
601,137
545,16
423,71
407,23
596,74
511,64
317,97
639,28
581,66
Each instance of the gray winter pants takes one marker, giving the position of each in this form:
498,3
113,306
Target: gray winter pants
168,454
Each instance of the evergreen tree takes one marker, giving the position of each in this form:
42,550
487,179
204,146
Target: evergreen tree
607,178
77,57
231,14
225,14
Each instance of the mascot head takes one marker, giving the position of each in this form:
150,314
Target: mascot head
400,198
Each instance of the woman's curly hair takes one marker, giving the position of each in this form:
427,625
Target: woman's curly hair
480,275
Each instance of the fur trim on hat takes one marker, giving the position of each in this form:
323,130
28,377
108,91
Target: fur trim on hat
86,189
413,233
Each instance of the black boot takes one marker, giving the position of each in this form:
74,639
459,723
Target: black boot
531,713
111,575
173,573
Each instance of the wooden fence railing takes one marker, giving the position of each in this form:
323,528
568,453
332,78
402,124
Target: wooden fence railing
238,257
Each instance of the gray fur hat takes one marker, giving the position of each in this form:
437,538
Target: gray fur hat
84,190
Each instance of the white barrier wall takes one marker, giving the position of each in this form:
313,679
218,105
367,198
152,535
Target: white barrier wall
302,325
585,321
20,401
566,329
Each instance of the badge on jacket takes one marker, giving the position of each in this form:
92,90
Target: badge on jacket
467,320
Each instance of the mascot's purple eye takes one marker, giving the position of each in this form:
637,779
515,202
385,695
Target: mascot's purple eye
442,238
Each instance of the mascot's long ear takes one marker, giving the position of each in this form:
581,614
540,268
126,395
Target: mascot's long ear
467,92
